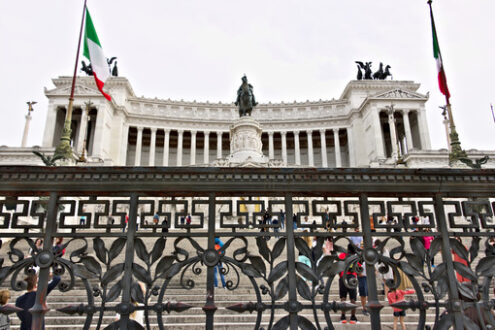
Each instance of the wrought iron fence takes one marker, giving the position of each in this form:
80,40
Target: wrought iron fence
131,233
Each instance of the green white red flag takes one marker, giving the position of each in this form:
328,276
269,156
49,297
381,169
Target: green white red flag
442,79
94,53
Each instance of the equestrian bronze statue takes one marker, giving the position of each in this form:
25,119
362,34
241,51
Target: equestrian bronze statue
245,98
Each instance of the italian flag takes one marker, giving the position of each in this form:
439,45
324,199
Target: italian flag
442,79
94,53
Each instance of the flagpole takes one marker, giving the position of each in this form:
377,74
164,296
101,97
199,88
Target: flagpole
456,152
64,149
493,114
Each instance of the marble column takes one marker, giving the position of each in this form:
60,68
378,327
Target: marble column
206,149
51,124
407,129
350,147
393,133
311,160
324,160
26,130
166,147
152,147
98,139
336,140
179,147
297,149
219,145
139,142
284,147
423,130
81,134
271,153
89,143
193,147
124,145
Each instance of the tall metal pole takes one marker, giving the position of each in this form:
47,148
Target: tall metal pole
493,114
454,304
373,305
64,149
293,305
446,123
210,308
456,152
45,262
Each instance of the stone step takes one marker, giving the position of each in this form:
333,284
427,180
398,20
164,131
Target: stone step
229,326
199,317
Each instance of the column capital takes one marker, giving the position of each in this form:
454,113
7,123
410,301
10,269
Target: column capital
193,132
335,130
296,133
219,133
206,133
405,111
270,133
166,130
309,131
153,129
140,128
322,131
180,131
283,133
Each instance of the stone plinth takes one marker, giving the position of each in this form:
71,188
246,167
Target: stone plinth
245,142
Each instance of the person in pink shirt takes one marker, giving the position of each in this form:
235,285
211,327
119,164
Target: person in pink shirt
427,243
395,296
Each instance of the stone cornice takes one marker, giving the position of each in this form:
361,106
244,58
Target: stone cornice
378,85
277,126
230,105
234,181
87,81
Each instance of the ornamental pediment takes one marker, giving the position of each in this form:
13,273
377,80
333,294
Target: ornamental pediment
78,90
398,93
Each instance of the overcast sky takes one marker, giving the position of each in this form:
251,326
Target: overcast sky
290,50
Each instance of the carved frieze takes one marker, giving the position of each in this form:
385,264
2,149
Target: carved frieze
398,93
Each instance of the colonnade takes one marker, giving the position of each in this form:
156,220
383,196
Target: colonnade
401,132
203,157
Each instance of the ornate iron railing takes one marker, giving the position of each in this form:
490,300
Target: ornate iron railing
106,217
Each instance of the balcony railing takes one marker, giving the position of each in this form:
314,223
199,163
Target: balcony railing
130,234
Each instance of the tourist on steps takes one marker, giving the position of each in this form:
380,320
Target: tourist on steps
4,318
344,290
395,296
218,267
26,301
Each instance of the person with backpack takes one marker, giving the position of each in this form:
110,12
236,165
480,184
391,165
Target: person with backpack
218,268
343,289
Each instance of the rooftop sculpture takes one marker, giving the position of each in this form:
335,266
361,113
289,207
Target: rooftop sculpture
381,74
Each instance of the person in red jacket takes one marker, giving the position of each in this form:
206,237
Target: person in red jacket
395,296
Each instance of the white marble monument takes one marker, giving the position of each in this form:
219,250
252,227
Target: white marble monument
246,146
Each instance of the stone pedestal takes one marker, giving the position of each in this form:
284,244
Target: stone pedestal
245,143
